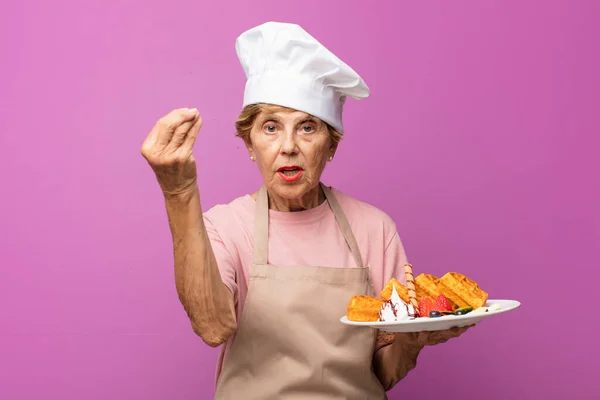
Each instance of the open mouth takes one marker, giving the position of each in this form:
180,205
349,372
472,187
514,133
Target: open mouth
290,173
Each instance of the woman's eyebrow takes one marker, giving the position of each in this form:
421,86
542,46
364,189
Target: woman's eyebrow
306,119
299,121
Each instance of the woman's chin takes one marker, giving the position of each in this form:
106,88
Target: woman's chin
288,191
291,190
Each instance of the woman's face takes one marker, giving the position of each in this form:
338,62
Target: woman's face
291,149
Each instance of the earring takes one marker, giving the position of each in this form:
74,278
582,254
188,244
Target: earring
330,158
252,158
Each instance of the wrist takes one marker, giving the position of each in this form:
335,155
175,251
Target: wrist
184,212
182,197
392,363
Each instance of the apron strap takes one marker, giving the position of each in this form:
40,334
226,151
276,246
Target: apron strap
344,225
261,226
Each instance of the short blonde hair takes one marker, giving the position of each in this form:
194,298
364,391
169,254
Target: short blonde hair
247,117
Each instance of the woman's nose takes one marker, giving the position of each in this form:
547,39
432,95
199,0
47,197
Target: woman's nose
289,145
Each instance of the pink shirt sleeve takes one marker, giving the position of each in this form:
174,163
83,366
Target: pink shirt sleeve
394,260
225,260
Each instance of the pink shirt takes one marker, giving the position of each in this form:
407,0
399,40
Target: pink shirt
309,237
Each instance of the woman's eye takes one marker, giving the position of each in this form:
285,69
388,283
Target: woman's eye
307,129
270,128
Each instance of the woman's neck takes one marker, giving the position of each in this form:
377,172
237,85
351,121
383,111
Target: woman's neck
313,198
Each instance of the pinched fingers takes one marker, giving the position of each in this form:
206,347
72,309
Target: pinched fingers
180,134
157,142
191,136
167,126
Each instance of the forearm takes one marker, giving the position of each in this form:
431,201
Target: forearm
207,301
393,362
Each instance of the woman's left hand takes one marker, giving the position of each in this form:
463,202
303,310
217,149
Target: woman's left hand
422,339
393,362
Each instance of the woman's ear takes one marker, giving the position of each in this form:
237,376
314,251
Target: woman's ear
332,150
250,152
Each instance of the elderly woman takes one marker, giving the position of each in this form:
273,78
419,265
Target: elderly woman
268,276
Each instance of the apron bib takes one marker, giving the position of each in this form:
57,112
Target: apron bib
290,343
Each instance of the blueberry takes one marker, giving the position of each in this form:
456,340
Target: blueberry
435,314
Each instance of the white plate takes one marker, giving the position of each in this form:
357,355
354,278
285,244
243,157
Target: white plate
494,307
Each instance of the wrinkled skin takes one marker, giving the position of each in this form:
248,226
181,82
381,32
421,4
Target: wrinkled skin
168,148
283,138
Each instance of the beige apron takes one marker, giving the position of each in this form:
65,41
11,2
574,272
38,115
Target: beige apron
290,343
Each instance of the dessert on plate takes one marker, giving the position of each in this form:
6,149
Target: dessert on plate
395,309
425,296
364,308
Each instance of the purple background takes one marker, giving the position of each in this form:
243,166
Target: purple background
480,140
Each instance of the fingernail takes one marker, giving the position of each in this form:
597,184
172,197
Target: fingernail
192,110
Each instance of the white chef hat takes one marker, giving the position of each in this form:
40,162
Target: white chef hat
286,66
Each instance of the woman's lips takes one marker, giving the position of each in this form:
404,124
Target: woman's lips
290,173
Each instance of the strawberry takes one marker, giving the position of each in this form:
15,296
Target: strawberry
442,304
425,306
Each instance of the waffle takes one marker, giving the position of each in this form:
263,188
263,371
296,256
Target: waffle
433,287
363,308
386,293
426,284
402,291
465,288
454,298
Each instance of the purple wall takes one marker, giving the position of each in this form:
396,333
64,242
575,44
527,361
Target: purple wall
479,140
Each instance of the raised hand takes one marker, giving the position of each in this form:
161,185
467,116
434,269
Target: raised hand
168,149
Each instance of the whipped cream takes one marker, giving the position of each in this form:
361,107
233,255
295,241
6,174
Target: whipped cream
395,309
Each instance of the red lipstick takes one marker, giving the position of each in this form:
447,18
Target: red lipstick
290,173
